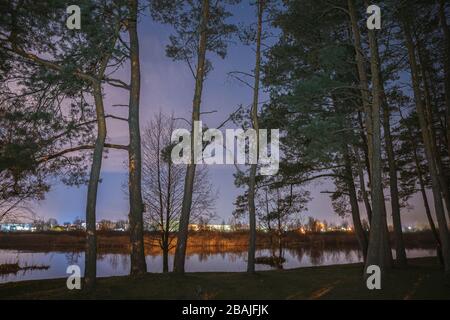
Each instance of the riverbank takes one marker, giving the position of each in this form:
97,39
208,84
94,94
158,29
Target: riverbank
422,279
199,242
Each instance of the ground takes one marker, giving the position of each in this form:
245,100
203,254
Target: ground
422,279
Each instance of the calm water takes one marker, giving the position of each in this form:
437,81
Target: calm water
119,264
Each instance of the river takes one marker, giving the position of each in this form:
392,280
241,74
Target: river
119,264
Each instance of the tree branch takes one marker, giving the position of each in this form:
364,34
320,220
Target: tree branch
116,117
117,83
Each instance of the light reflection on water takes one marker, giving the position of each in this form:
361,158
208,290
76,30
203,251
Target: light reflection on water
118,264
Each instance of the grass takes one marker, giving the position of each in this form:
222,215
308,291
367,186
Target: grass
422,279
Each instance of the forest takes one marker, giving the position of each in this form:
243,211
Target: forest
360,97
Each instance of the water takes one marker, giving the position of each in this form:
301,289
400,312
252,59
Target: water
119,264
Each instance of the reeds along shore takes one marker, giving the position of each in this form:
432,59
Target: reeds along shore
199,242
14,268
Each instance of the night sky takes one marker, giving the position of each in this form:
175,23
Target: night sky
168,86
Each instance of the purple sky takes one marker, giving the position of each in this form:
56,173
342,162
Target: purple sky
168,86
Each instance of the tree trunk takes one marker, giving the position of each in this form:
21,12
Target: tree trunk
356,217
90,260
378,249
138,264
429,118
393,185
363,82
269,226
423,192
168,217
279,263
183,230
440,215
254,116
252,220
280,253
166,253
427,207
375,67
362,184
365,194
162,214
446,31
371,124
441,174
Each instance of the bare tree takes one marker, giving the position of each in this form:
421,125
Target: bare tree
163,185
277,208
200,28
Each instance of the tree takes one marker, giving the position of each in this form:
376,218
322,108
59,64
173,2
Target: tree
278,207
40,122
393,186
356,216
439,208
261,4
317,100
23,176
430,76
138,264
313,225
80,63
378,238
51,222
163,184
366,125
363,80
414,170
446,32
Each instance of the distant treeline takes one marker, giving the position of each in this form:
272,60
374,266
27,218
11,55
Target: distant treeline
200,241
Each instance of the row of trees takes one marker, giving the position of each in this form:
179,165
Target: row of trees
53,82
61,73
367,109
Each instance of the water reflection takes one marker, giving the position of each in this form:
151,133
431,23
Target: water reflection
119,264
73,257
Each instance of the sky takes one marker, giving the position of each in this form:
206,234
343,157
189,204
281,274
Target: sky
168,86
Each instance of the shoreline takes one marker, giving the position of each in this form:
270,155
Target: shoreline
342,282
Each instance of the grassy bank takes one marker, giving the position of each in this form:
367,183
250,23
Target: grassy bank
423,279
199,242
